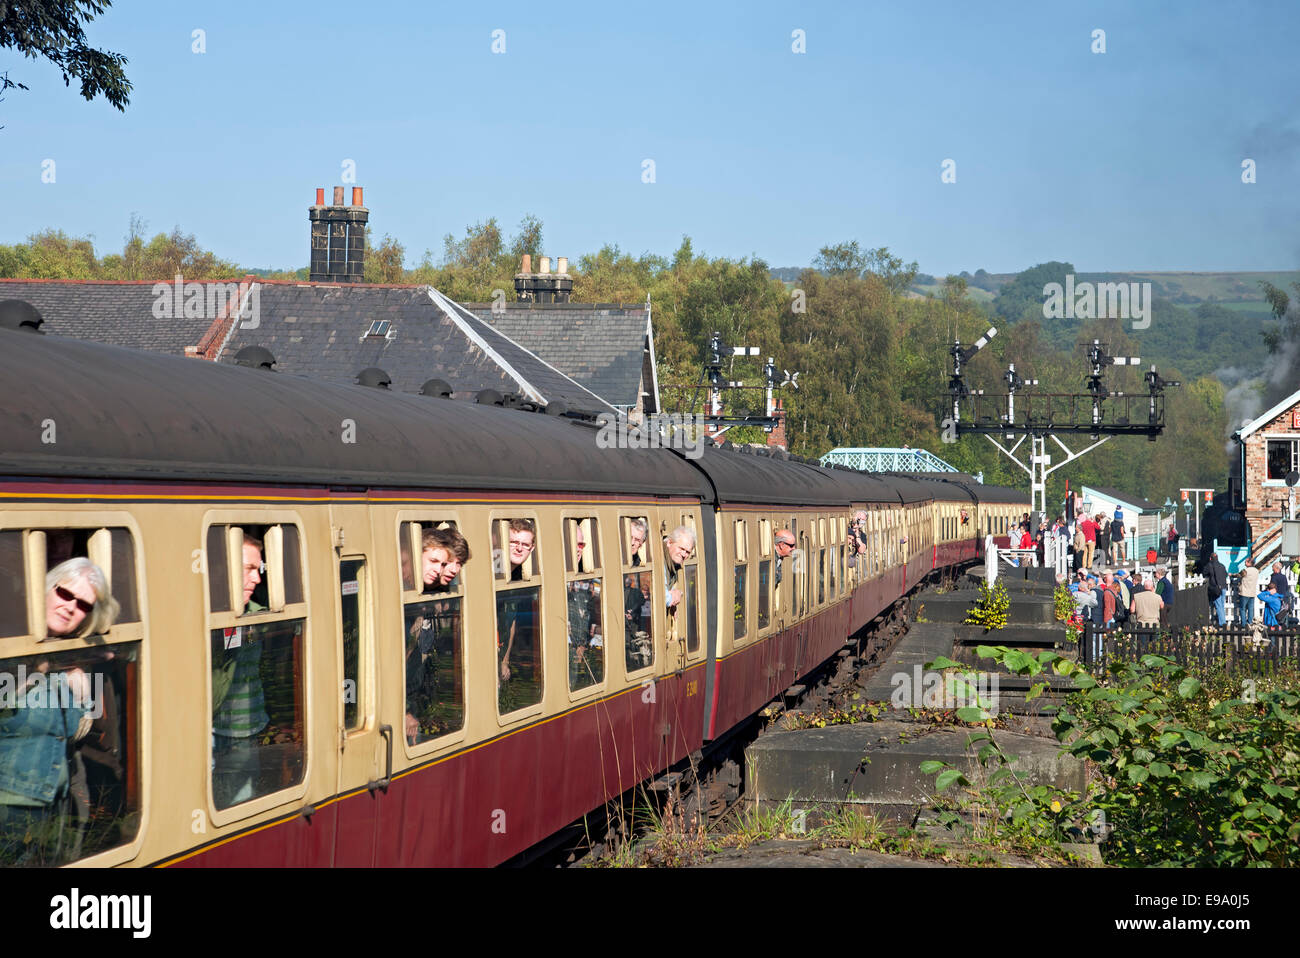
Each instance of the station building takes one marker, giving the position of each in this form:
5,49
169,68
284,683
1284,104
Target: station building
1139,514
1270,450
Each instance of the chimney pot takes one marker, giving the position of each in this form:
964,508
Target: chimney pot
356,196
320,196
338,196
562,265
545,265
527,265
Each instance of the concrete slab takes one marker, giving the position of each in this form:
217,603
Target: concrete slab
953,607
784,853
879,762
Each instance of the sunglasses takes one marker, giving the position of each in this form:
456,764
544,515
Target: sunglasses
66,596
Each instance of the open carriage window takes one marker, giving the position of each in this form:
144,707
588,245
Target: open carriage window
584,594
432,611
638,581
516,567
70,639
257,623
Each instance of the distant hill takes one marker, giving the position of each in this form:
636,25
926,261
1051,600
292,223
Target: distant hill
1239,292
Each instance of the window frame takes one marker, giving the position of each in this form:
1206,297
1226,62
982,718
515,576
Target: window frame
407,597
23,645
1294,440
600,574
536,579
244,519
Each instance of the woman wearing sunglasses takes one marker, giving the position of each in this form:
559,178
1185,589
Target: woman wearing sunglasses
55,710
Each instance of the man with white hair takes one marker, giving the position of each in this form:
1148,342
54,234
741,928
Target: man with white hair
678,547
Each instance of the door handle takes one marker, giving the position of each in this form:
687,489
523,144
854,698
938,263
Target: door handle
387,732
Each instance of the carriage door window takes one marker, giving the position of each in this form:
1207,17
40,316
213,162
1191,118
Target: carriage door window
741,596
352,579
638,581
821,561
688,625
764,573
584,596
257,622
433,592
516,566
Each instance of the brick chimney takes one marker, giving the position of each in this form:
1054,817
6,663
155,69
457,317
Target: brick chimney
776,438
338,238
543,286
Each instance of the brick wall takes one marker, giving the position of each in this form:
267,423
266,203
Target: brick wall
1265,504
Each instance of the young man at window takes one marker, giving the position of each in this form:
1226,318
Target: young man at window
238,703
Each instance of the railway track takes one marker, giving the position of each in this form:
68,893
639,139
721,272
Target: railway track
710,785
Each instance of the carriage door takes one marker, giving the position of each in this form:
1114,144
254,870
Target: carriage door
365,744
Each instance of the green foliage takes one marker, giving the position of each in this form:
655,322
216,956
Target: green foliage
991,609
1185,777
1062,603
1190,779
835,715
53,29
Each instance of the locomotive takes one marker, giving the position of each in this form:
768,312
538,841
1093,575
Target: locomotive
167,472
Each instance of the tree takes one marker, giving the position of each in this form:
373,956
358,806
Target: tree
52,29
384,262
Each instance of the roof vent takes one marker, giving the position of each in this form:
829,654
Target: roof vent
17,314
556,408
374,376
438,388
489,397
255,357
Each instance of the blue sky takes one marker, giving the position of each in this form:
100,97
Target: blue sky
1128,159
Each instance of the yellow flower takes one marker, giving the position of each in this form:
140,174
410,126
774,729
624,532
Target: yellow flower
1056,806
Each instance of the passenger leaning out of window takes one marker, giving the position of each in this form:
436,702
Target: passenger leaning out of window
59,710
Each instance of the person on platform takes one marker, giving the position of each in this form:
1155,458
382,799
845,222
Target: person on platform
1103,538
1247,590
1089,530
1272,603
1216,587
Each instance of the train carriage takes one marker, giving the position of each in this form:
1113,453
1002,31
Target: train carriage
458,724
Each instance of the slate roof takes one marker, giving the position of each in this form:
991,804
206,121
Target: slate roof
600,345
119,314
318,331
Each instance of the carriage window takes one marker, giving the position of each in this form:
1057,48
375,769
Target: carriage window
69,740
638,580
742,595
738,629
13,598
764,593
691,609
432,607
352,578
821,576
584,588
258,663
516,565
682,617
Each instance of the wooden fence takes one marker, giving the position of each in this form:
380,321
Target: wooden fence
1237,649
